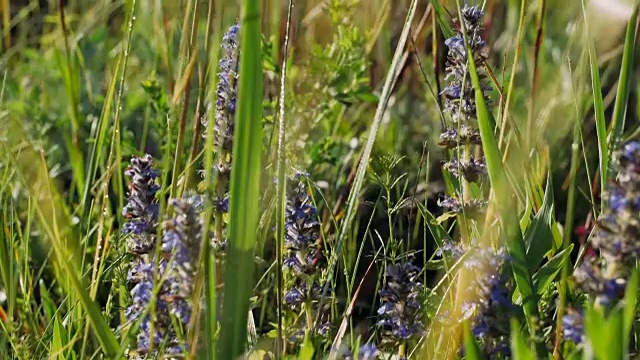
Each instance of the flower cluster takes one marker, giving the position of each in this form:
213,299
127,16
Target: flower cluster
492,307
224,125
167,283
572,325
302,231
450,250
226,96
399,314
181,244
365,352
463,136
141,210
459,94
615,238
303,262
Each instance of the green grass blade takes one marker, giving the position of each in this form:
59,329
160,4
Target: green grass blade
444,23
6,259
604,333
506,207
512,79
601,127
519,348
281,197
471,347
629,311
624,85
100,138
245,186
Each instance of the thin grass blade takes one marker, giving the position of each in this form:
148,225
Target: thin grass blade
519,348
624,84
281,198
471,347
598,104
444,23
629,311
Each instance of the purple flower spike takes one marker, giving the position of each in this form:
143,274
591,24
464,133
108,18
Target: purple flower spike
399,316
169,281
460,103
226,92
365,352
492,307
303,263
141,209
616,235
572,325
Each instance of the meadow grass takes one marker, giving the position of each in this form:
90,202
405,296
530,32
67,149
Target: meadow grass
341,179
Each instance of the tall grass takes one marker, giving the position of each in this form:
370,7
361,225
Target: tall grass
368,255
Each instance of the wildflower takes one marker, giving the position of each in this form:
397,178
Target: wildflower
169,281
450,250
223,127
616,235
181,245
466,135
365,352
303,263
226,97
400,319
141,210
472,170
492,307
302,232
572,325
451,204
459,96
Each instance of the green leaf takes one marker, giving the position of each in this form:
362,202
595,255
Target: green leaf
471,348
306,353
47,303
601,127
545,275
519,348
60,346
604,333
58,340
245,186
443,20
444,217
630,300
525,219
538,238
624,88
